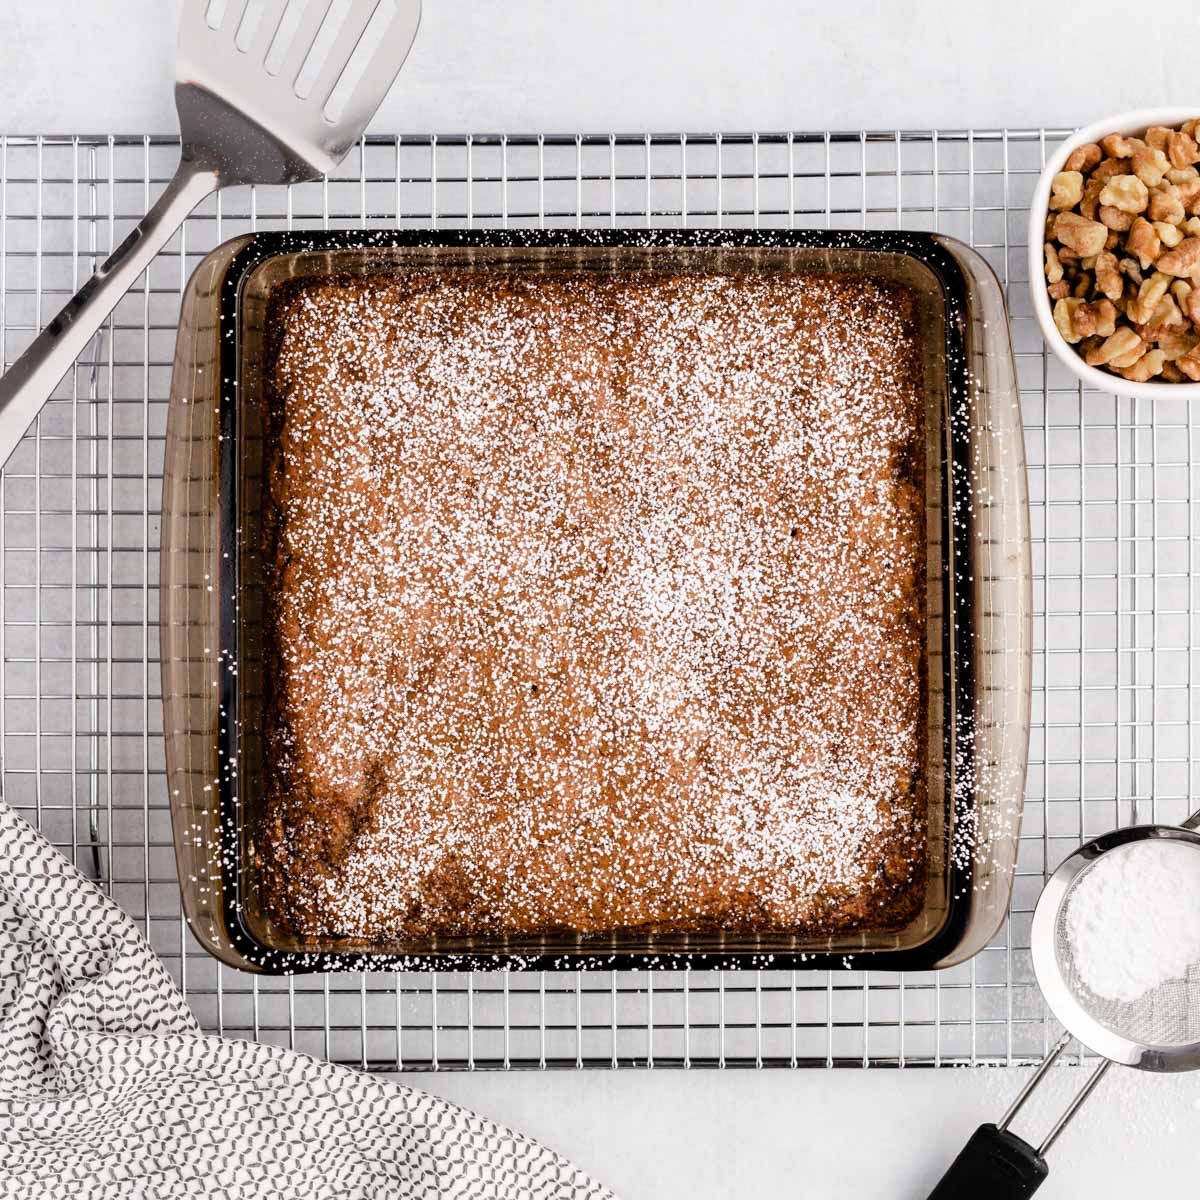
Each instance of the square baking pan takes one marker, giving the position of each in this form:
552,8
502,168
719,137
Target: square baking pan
978,580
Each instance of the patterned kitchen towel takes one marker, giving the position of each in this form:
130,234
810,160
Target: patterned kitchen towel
109,1088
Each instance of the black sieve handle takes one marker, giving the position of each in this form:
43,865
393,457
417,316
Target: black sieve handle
994,1165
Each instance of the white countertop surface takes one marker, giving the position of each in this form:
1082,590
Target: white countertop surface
100,66
549,66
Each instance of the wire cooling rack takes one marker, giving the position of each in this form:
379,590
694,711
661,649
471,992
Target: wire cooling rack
1111,481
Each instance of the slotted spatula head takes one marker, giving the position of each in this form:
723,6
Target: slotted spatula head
255,80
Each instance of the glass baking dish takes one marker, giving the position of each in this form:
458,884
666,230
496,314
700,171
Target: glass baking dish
978,579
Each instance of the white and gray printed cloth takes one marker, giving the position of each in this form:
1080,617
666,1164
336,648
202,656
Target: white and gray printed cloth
109,1088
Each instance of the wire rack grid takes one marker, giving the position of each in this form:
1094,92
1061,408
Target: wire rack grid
1111,481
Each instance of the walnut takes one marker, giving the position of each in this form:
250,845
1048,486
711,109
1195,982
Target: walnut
1083,321
1108,276
1059,290
1077,319
1166,205
1115,219
1110,168
1165,317
1182,150
1085,157
1188,299
1158,137
1119,344
1054,271
1189,364
1189,196
1143,240
1169,235
1149,165
1131,270
1150,364
1116,145
1089,206
1104,316
1149,294
1064,318
1126,192
1079,234
1172,374
1066,190
1120,361
1175,343
1184,260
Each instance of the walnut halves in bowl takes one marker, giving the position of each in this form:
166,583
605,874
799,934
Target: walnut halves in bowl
1122,253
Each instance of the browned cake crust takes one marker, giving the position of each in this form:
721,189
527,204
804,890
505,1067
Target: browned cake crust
594,603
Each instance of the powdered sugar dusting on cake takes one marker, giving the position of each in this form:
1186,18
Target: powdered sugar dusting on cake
597,604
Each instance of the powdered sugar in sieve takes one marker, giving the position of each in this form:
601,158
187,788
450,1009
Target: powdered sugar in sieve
1127,941
1133,919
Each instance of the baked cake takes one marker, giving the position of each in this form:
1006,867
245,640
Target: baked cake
595,603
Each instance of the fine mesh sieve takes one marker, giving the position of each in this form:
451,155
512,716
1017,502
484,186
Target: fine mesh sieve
1166,1016
1157,1031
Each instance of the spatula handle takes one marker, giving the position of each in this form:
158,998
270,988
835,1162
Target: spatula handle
31,380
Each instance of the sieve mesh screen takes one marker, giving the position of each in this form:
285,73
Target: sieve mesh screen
1168,1015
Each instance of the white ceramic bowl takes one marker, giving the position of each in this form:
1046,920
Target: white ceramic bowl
1136,122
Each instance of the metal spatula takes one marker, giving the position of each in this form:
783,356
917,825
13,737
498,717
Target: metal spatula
268,91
